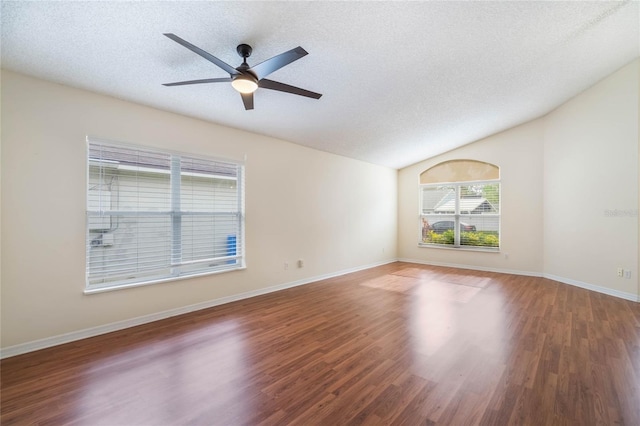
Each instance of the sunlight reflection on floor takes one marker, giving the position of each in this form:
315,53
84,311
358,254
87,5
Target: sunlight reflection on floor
180,378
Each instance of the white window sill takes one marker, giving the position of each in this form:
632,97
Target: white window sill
96,289
460,248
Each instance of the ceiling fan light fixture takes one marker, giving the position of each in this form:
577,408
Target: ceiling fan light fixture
244,84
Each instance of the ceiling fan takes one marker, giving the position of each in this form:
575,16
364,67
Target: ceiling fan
246,79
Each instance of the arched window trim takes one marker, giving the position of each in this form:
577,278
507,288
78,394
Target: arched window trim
484,171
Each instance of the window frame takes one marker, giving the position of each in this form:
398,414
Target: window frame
178,268
457,215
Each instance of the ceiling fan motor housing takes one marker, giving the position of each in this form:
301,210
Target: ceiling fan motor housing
244,50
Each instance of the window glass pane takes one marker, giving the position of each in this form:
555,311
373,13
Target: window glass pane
209,236
208,186
438,200
136,246
142,191
137,179
480,199
479,230
438,229
206,194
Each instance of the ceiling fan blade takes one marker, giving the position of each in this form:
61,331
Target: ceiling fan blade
208,56
247,99
206,80
265,68
281,87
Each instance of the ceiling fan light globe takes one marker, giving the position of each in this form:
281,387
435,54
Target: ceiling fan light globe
244,84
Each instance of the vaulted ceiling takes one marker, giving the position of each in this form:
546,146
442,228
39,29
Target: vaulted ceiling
401,81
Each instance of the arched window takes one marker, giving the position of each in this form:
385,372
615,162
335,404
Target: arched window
460,205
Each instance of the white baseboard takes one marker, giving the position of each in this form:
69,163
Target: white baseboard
475,268
120,325
604,290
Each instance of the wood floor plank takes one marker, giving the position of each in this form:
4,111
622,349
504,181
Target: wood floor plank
400,344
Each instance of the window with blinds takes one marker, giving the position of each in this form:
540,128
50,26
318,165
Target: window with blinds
461,215
155,216
460,205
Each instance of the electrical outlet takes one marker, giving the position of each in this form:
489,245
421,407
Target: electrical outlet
300,263
286,265
620,272
627,274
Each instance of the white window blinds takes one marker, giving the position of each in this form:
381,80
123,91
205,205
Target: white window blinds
154,216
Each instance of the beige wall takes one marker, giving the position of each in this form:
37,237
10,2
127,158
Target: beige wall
560,175
335,213
590,171
518,153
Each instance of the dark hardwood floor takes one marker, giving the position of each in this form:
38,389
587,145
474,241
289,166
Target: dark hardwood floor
398,344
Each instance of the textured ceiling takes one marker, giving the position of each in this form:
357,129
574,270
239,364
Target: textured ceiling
402,81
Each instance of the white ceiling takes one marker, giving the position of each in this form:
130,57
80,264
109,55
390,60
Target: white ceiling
401,81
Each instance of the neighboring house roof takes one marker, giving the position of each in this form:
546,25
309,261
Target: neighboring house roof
157,160
467,205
